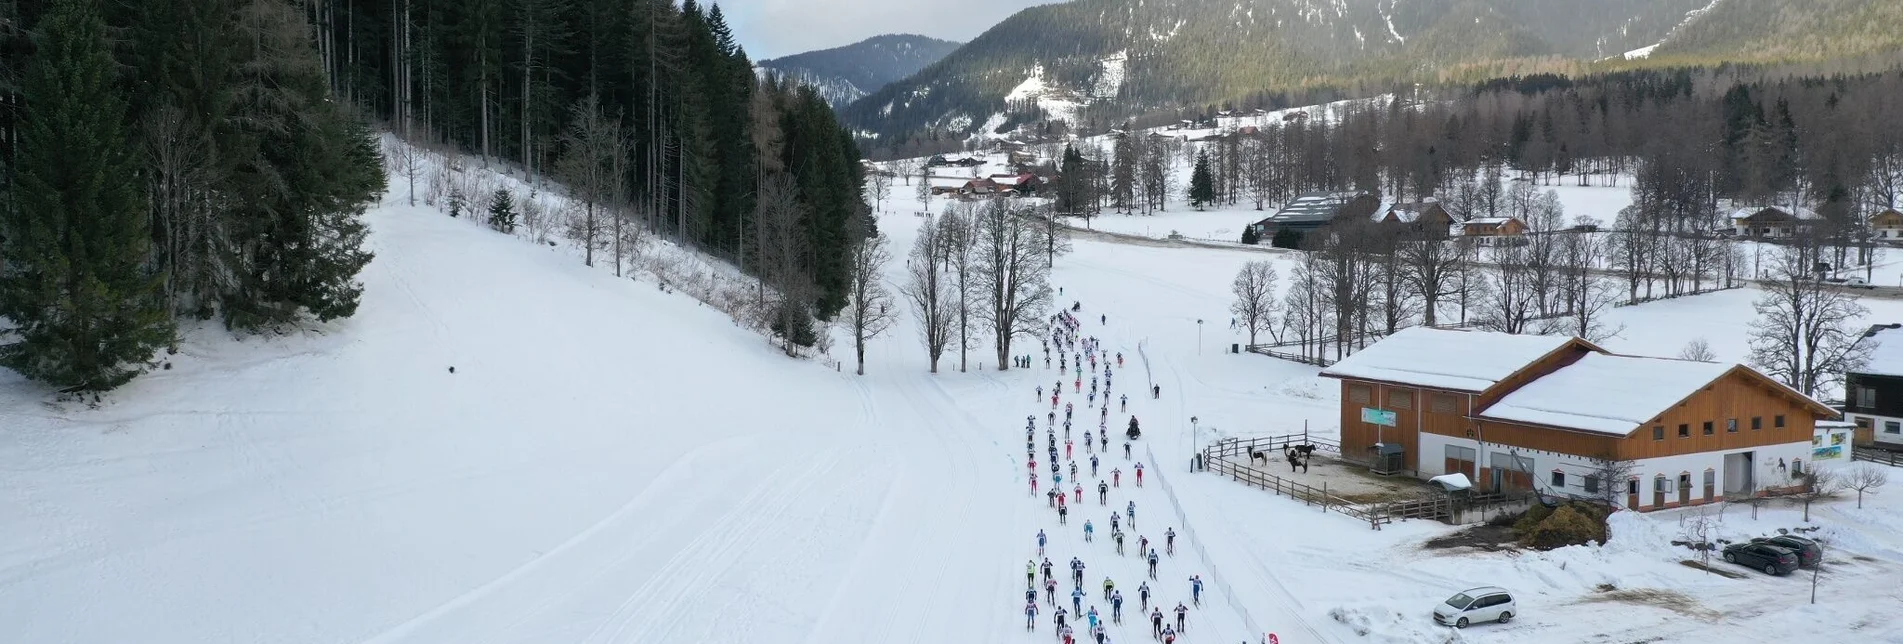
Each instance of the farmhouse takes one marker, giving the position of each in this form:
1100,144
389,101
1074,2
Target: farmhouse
1873,393
1307,212
1560,415
1887,224
1488,230
1774,221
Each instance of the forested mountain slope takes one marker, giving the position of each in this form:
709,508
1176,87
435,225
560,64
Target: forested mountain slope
845,74
1096,61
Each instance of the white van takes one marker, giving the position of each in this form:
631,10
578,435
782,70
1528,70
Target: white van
1484,604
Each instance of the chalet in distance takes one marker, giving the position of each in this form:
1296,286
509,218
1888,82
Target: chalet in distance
1774,221
1312,211
1887,224
1528,412
1873,393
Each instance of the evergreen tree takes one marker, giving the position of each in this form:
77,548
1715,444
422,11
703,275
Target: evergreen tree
1202,185
76,281
502,211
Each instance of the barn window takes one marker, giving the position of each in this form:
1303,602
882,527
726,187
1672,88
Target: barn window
1401,399
1797,467
1891,427
1707,428
1445,404
1777,421
1658,432
1592,484
1358,393
1731,425
1757,422
1632,485
1559,479
1684,430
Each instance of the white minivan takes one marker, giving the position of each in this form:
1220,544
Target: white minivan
1485,604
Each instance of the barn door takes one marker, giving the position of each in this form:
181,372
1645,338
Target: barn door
1684,488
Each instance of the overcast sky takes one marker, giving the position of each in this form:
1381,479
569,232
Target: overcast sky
775,28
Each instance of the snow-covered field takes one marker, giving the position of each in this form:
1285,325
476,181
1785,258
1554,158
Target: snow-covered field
614,463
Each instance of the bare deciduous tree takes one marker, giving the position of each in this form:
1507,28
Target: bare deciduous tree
408,161
868,307
956,227
1255,303
1867,479
1698,350
783,250
595,151
1805,334
1012,274
1610,477
878,184
928,290
1817,485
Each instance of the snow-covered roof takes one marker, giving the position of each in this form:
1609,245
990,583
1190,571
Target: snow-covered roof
1445,359
1313,207
949,183
1885,343
1455,481
1605,393
1801,213
1489,221
1381,211
1005,179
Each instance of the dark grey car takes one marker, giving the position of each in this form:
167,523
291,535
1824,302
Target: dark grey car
1772,559
1808,552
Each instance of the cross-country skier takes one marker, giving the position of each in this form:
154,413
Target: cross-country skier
1152,563
1131,511
1088,530
1078,491
1077,599
1030,616
1196,589
1117,535
1124,403
1073,470
1030,573
1040,542
1087,442
1126,450
1063,515
1116,607
1064,636
1046,567
1034,483
1169,541
1143,593
1103,438
1182,612
1051,420
1116,477
1098,634
1092,397
1156,622
1103,489
1067,411
1113,521
1068,446
1139,469
1050,590
1077,571
1030,594
1050,497
1169,635
1059,616
1080,382
1108,587
1095,622
1119,358
1093,461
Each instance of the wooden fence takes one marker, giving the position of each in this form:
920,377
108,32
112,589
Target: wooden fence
1307,494
1877,455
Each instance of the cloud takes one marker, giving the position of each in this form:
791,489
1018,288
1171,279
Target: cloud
774,28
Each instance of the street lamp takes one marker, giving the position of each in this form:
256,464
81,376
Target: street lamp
1199,336
1195,454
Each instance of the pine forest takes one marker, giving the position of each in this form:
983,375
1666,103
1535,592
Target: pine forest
168,162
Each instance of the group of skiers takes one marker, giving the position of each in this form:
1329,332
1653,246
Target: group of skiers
1074,352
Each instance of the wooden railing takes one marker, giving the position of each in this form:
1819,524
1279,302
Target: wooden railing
1307,494
1876,455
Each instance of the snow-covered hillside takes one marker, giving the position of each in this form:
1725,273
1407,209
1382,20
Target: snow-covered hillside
611,462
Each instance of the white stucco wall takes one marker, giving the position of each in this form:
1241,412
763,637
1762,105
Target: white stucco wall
1830,446
1877,426
1771,467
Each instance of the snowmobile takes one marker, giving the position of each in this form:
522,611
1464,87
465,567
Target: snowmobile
1133,432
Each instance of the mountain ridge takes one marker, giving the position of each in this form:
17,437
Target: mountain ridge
846,73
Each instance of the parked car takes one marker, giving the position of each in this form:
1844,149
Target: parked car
1808,552
1772,559
1858,282
1484,604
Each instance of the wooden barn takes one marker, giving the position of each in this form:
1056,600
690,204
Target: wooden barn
1560,415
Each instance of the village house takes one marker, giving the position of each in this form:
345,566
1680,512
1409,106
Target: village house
1487,231
948,185
1887,224
1559,415
1305,213
1873,392
1774,221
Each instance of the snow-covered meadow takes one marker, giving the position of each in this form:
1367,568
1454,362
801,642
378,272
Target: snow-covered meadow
614,462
